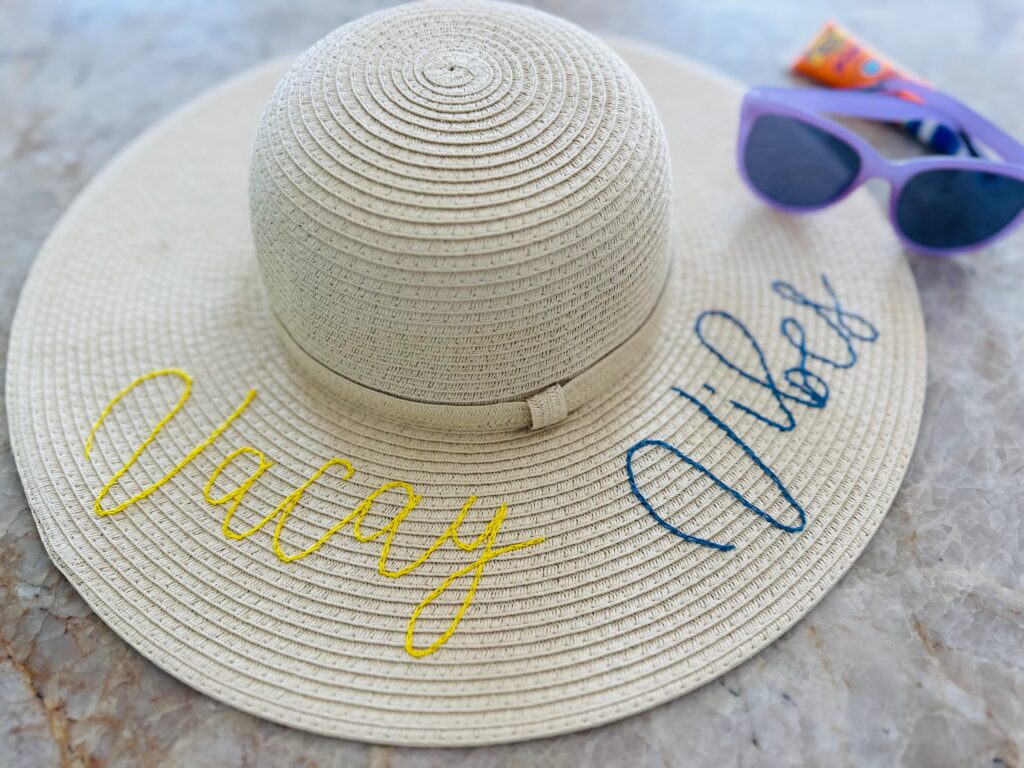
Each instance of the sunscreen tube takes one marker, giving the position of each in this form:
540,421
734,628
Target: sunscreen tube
835,58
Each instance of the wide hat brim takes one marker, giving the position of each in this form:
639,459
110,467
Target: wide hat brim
610,613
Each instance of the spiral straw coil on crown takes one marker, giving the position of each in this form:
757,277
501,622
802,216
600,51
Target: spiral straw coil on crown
460,202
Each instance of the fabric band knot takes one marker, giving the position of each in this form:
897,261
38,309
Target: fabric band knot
547,407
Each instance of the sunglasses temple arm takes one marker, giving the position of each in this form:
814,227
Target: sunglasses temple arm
875,105
975,125
855,103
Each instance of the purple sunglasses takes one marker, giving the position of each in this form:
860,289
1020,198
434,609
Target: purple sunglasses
797,160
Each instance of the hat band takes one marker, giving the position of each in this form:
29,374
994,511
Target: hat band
549,406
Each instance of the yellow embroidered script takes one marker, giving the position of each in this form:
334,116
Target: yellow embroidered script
336,469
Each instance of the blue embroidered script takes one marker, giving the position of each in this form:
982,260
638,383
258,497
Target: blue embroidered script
800,386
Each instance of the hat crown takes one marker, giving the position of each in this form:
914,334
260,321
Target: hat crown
460,202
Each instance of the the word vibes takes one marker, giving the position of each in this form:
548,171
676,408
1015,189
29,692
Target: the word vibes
482,549
799,385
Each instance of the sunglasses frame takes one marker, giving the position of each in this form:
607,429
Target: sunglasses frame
886,104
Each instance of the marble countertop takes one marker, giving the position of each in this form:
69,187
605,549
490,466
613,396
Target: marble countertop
915,658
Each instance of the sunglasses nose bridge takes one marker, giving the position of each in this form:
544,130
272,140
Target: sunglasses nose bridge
874,166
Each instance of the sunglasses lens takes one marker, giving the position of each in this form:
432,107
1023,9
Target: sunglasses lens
957,208
797,164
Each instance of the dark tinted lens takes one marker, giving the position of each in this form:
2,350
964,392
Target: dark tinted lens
797,164
956,208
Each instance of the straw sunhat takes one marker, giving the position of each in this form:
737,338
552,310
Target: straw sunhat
446,387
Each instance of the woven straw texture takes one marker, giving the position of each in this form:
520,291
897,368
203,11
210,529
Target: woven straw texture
155,267
437,194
